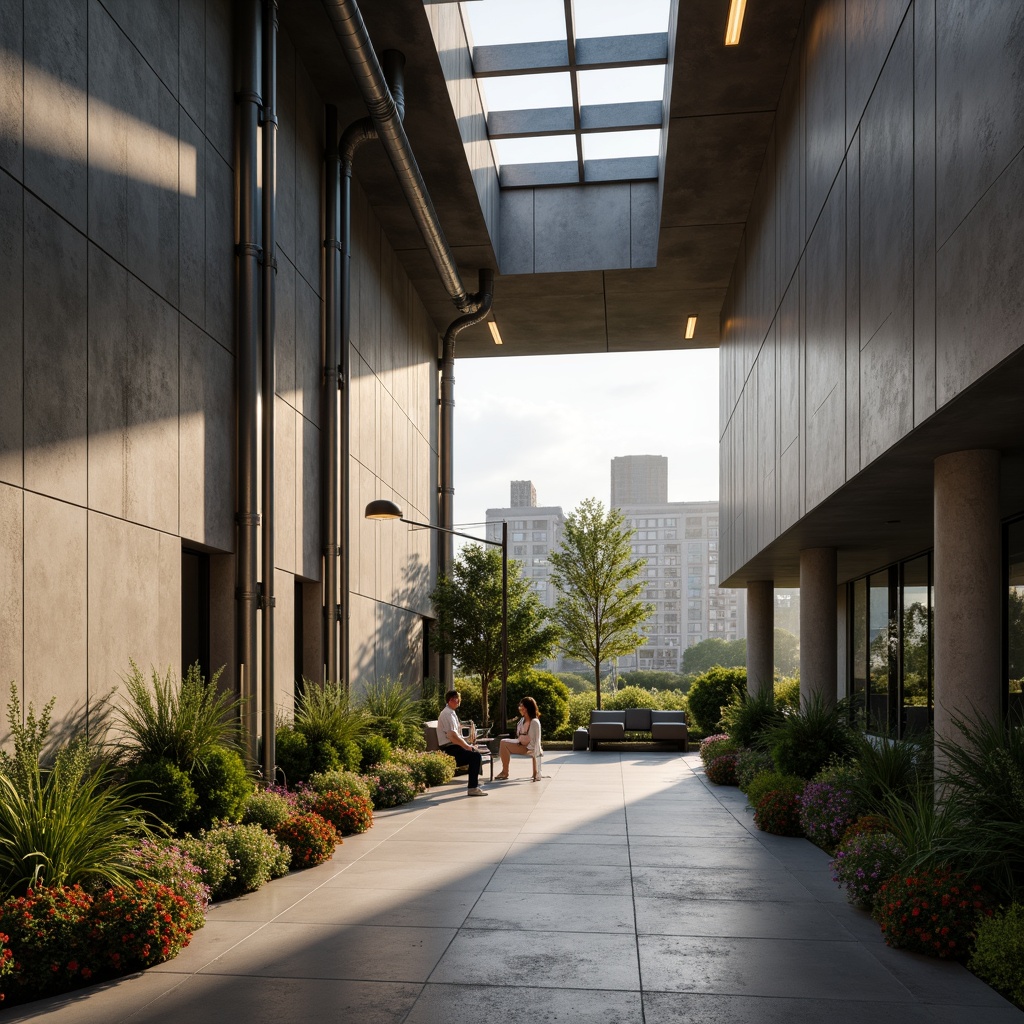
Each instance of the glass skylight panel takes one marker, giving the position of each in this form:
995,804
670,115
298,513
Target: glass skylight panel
496,22
545,150
622,85
616,145
595,18
526,92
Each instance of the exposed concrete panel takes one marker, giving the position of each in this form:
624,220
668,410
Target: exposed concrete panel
12,379
307,498
133,390
366,244
517,231
307,350
284,488
220,92
12,582
148,29
222,620
312,632
134,600
191,56
363,627
789,488
817,625
979,102
765,440
825,101
824,470
852,297
399,653
980,287
191,241
56,105
12,91
220,249
286,148
309,146
791,168
205,440
760,636
790,389
968,586
284,643
284,330
133,154
887,241
56,603
573,224
644,207
56,364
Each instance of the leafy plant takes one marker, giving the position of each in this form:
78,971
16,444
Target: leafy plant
998,956
139,925
211,856
222,786
165,862
863,862
787,693
348,812
350,782
310,838
428,767
391,785
778,812
750,764
254,858
891,769
826,812
934,912
580,706
552,697
714,746
747,718
722,770
163,790
711,692
375,750
630,697
266,809
324,715
182,723
768,782
391,710
805,740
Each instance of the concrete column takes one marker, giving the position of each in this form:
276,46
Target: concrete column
968,583
760,636
817,624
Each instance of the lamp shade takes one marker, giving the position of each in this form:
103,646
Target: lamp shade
382,509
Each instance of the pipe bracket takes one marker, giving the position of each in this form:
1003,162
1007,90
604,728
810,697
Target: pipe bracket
249,249
247,519
331,243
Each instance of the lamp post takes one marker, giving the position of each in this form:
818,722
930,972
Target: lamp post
384,509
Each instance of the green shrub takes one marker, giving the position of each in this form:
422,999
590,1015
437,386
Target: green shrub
392,711
891,769
222,785
471,708
266,809
350,757
998,956
349,782
375,750
787,694
164,861
747,718
291,750
254,855
575,682
778,812
750,764
310,839
391,785
715,746
711,692
806,740
428,767
580,706
629,697
722,770
324,715
673,700
651,679
768,782
163,790
138,926
551,695
210,855
863,862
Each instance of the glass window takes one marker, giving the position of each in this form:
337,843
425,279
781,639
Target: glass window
880,639
916,646
1015,620
670,522
519,536
540,524
540,535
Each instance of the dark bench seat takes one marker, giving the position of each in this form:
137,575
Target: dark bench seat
663,726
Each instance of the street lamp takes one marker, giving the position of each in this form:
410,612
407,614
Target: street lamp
384,509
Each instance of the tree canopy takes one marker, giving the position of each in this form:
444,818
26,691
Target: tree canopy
467,603
599,610
716,650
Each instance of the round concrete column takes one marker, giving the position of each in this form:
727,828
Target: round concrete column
968,584
760,636
818,646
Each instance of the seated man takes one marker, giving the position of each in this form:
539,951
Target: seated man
451,741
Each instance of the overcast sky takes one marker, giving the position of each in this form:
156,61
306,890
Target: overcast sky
559,421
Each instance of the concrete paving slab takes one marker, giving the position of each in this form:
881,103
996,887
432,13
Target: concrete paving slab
557,912
403,875
681,853
726,884
577,854
527,1006
544,959
383,907
598,879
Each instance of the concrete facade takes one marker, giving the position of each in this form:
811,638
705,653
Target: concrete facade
117,344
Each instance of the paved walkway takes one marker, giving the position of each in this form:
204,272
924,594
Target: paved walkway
621,889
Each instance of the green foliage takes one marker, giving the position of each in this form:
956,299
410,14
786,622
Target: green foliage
715,746
324,716
778,812
651,679
891,769
210,855
599,610
467,605
375,750
267,809
580,706
348,813
180,722
575,682
28,739
722,770
714,652
805,740
768,782
470,710
750,764
787,652
222,785
65,830
998,956
346,781
747,719
391,785
139,925
863,862
252,854
787,693
310,838
631,697
550,693
711,692
392,711
428,767
297,757
164,791
165,862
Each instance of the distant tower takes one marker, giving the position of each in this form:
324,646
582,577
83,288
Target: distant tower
524,494
639,480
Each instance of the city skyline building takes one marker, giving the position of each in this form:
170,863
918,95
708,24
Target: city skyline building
639,480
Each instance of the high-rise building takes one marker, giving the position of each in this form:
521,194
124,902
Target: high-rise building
524,494
639,480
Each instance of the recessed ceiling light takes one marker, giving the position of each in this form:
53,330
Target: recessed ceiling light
691,327
735,23
494,331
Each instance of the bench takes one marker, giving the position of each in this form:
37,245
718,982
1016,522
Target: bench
663,726
486,757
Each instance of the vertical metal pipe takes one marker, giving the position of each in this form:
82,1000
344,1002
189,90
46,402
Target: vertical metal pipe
329,439
503,703
248,103
269,120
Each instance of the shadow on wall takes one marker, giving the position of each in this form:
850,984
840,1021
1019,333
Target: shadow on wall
395,648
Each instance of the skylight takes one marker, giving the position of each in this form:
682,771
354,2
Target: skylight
573,90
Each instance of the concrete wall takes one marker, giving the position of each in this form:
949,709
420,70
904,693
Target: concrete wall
880,270
117,356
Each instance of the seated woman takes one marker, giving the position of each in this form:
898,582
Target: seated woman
526,742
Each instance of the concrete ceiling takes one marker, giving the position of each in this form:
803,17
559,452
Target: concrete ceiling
722,112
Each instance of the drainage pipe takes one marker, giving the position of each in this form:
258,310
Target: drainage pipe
248,103
355,41
269,123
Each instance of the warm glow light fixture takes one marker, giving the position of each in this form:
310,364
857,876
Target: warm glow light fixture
494,331
735,24
691,327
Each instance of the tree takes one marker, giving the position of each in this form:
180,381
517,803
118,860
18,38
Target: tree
599,610
787,652
716,650
467,603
